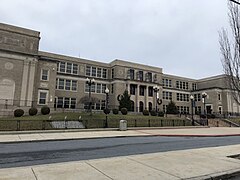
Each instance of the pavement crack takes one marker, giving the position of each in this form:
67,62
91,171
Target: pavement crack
153,167
99,170
34,174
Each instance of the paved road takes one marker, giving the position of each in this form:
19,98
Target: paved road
24,154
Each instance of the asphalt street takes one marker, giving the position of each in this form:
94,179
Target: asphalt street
35,153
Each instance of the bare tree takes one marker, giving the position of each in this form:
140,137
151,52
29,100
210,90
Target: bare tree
230,50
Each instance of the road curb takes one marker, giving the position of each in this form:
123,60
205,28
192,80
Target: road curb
97,129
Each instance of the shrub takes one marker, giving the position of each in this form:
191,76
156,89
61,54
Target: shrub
153,113
45,110
107,111
124,111
161,114
213,116
203,116
145,112
115,111
32,111
18,113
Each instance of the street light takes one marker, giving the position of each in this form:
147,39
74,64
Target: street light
204,95
106,108
90,82
156,89
192,104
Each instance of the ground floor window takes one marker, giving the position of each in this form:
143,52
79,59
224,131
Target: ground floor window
42,97
65,102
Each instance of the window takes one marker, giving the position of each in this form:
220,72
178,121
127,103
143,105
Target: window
103,104
61,84
194,86
167,95
140,75
60,102
75,69
150,91
182,97
112,89
131,74
66,102
149,77
94,71
167,82
88,70
177,84
42,97
104,75
112,73
44,75
99,86
62,67
104,88
99,72
69,68
219,97
141,90
68,84
73,103
132,89
74,85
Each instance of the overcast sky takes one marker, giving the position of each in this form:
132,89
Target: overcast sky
180,36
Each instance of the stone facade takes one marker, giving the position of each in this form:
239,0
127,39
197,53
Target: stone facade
29,77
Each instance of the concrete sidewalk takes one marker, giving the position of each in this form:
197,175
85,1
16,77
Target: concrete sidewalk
106,133
204,163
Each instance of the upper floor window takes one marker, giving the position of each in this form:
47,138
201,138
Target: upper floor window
44,74
167,95
140,75
167,82
182,85
150,91
194,86
141,90
132,89
96,72
219,96
112,73
132,72
66,84
67,67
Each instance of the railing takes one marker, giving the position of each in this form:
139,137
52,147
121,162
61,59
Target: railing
19,125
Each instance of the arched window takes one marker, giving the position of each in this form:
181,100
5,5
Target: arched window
141,106
132,106
149,106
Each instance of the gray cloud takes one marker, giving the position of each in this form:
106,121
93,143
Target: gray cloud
181,36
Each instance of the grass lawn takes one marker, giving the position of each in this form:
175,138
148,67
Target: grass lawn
95,121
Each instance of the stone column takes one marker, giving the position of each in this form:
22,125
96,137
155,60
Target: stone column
146,98
136,98
31,83
24,82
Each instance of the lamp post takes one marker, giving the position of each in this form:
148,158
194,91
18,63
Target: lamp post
156,89
204,95
90,82
106,108
192,104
